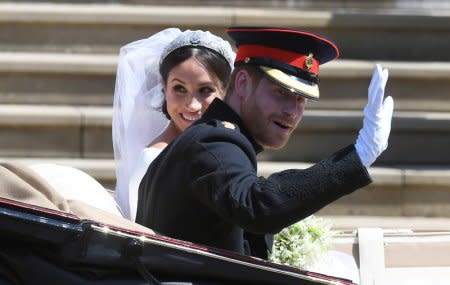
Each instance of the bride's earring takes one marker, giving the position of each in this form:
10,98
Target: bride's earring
164,105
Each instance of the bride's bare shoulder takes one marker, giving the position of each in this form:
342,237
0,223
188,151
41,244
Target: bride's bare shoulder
159,144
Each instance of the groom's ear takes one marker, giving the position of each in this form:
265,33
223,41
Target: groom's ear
243,84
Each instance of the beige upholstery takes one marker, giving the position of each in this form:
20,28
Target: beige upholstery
20,183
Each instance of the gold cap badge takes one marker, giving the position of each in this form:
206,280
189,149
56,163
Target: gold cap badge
309,61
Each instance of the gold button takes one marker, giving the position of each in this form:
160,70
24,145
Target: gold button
228,125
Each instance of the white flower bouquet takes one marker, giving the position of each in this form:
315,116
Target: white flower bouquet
302,244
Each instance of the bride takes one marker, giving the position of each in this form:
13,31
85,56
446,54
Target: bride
163,84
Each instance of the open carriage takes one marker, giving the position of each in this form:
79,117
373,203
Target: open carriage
47,240
42,244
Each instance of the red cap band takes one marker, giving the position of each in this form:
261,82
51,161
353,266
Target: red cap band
303,61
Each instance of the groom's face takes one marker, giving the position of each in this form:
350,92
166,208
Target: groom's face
271,113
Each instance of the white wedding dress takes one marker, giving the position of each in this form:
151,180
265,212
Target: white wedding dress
145,159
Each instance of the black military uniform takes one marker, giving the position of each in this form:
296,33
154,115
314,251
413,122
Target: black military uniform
204,186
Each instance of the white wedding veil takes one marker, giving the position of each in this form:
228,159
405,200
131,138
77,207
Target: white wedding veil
138,97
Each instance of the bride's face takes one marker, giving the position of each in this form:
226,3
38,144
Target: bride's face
189,90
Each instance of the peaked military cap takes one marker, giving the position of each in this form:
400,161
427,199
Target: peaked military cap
290,58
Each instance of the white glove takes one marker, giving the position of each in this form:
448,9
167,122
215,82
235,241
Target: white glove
373,137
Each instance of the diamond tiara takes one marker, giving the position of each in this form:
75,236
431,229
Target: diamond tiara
200,38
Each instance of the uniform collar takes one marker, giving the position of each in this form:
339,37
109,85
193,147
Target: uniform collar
219,110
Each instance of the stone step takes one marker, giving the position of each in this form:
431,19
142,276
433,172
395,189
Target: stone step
304,4
396,192
348,223
405,35
416,137
55,131
55,78
85,132
88,79
408,190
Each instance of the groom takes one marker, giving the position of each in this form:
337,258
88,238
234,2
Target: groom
204,186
